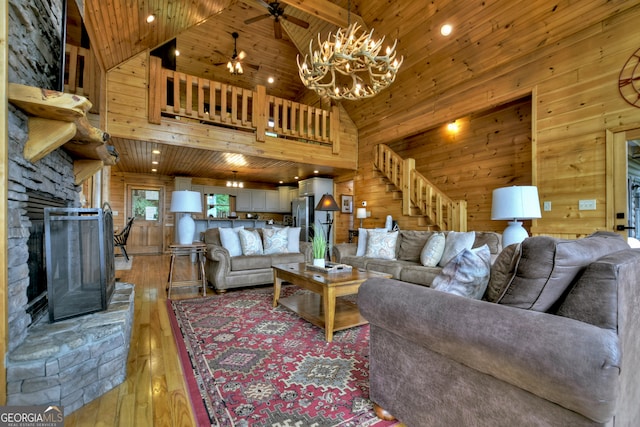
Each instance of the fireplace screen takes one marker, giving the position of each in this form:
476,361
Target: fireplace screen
79,259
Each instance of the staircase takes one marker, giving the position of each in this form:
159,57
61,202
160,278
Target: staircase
419,196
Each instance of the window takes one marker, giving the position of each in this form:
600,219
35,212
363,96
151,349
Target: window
218,205
145,204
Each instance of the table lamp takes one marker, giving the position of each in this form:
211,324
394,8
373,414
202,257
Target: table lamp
515,203
328,203
361,213
186,202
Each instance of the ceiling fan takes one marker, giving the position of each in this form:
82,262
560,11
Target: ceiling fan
234,65
276,10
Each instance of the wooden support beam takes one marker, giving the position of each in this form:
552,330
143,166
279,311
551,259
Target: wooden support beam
46,135
83,169
325,10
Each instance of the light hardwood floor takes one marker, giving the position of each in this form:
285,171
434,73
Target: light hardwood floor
154,392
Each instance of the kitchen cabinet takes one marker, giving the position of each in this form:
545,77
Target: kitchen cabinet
272,201
243,200
285,195
258,200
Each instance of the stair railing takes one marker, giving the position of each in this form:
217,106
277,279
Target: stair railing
420,197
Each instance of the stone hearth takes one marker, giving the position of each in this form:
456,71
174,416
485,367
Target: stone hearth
73,361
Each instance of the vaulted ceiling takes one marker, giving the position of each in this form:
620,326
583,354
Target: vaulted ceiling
489,36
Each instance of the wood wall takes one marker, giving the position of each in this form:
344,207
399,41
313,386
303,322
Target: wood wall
490,149
574,89
118,201
127,117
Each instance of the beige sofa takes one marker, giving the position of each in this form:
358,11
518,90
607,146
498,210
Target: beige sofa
224,271
407,266
558,347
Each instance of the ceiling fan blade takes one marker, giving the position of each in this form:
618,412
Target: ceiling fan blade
277,29
263,3
257,18
296,21
254,66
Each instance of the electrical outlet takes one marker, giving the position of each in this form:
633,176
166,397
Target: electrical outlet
587,205
547,206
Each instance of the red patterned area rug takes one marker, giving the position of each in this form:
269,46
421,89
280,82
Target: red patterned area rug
249,364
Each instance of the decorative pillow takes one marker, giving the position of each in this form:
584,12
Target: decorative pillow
548,266
456,242
293,239
502,270
275,241
433,250
381,244
231,240
411,244
362,239
467,274
250,242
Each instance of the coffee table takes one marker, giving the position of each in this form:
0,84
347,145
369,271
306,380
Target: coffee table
321,307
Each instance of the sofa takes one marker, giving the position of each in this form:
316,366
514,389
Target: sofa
405,264
557,344
225,271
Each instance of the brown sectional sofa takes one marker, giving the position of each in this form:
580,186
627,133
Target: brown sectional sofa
560,347
407,266
224,271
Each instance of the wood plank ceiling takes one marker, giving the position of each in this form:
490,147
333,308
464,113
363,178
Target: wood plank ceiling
489,37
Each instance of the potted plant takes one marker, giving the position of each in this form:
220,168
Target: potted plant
319,249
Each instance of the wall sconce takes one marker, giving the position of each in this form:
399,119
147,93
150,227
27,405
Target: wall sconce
453,127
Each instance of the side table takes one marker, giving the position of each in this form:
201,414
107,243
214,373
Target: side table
197,248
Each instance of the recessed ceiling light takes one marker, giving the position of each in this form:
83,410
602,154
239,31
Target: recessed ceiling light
446,29
315,171
156,151
271,80
154,170
177,52
296,177
151,18
155,162
280,182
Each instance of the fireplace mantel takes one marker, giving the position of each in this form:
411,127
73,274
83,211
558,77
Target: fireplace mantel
58,119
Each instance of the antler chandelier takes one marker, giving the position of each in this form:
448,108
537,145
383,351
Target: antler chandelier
349,66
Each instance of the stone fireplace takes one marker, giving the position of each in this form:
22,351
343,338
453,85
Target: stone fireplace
73,361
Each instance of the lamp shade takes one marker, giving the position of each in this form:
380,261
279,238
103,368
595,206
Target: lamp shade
516,202
186,201
327,203
361,213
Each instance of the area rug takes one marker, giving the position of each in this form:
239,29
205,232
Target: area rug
249,364
121,263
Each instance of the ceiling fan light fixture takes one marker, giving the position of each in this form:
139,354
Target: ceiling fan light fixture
349,65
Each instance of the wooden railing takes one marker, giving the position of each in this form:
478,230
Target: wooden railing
420,197
77,69
185,97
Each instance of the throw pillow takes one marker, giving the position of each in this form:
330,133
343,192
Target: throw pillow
381,244
467,274
456,242
548,266
231,240
293,239
250,242
362,239
275,241
502,270
432,251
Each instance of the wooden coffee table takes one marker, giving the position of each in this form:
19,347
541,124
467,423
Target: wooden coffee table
322,308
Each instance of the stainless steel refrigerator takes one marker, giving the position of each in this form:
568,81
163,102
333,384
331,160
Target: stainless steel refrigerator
302,210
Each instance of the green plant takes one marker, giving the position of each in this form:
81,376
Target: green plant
318,245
